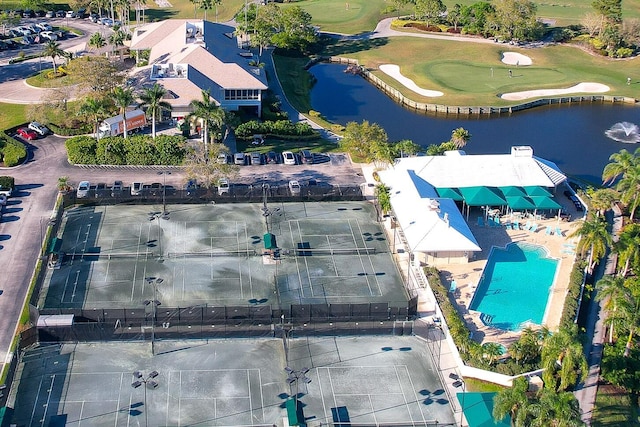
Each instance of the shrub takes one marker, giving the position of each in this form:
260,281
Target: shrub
135,150
81,150
623,52
279,128
13,152
571,302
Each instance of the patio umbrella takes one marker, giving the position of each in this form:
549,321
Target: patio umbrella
449,193
537,190
478,410
545,202
513,191
483,196
520,203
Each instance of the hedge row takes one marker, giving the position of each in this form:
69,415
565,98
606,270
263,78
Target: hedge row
571,301
65,131
279,128
135,150
12,152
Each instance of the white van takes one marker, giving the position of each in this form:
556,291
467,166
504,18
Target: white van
223,187
136,188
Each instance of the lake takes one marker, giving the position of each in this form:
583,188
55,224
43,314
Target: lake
571,135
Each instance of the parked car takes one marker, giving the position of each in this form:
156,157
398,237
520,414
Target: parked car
27,40
39,128
50,14
116,188
272,157
289,158
136,188
61,14
44,26
70,14
223,187
238,159
28,13
48,35
81,13
94,18
26,133
83,189
191,187
294,187
223,159
306,156
256,158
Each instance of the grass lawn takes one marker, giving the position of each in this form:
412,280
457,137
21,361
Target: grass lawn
614,407
463,71
480,386
184,9
12,115
40,80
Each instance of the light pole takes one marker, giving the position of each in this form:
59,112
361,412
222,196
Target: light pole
157,215
164,192
148,381
295,376
154,281
460,383
436,326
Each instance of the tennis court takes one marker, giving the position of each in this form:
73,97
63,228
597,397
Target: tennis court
213,254
365,380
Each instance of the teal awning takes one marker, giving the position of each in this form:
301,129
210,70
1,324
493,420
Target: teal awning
520,203
483,196
545,202
537,190
513,191
478,410
450,193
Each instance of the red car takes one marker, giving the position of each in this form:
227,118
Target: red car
27,134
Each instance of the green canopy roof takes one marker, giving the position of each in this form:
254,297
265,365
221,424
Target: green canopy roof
449,193
545,202
478,410
512,191
536,190
483,196
520,203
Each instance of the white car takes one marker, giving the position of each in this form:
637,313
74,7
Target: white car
136,188
70,14
49,35
238,159
223,159
223,187
294,187
289,158
83,189
44,26
38,128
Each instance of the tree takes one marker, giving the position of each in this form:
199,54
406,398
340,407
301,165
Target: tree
293,29
384,198
460,137
602,199
455,15
122,98
52,49
491,351
611,291
195,7
201,165
117,40
208,113
628,248
361,140
8,19
95,75
512,401
206,5
406,147
594,238
629,306
609,10
399,4
554,409
618,163
152,98
97,109
592,23
430,10
629,188
563,360
97,41
439,150
527,349
515,19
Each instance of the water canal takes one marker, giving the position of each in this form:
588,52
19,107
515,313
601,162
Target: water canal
572,136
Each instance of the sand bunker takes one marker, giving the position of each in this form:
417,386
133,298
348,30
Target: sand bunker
579,88
513,58
394,71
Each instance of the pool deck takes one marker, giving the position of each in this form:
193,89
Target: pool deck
467,276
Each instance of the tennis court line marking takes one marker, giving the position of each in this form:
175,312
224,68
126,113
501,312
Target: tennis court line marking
415,396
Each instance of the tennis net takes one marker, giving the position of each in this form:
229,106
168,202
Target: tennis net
212,254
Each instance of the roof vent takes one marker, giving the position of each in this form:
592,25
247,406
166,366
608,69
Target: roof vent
522,151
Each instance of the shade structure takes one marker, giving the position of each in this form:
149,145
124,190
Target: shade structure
483,196
450,193
545,202
513,191
478,410
520,203
537,190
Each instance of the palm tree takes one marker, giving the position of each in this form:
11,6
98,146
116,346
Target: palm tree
460,137
384,199
97,108
629,188
217,3
620,162
209,113
512,401
195,7
122,98
630,310
602,199
491,351
553,409
563,359
594,238
117,40
206,5
97,41
628,248
152,99
52,49
610,291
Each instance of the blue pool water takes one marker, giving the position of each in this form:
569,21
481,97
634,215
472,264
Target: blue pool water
514,287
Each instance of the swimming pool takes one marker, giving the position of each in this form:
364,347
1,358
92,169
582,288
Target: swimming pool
514,287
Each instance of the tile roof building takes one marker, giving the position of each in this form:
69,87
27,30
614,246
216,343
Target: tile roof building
190,55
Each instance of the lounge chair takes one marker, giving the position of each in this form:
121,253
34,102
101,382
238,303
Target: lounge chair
453,286
515,225
548,231
480,221
558,232
534,227
527,226
496,221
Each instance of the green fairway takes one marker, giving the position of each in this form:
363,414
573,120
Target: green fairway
185,9
463,71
